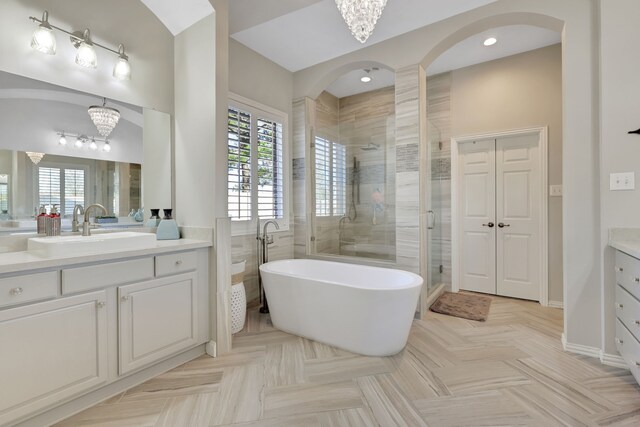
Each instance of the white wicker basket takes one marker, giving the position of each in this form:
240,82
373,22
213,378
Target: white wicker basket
238,298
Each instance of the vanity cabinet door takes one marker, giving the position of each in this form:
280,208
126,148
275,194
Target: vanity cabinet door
156,319
51,351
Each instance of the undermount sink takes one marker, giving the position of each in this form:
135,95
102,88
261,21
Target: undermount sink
57,246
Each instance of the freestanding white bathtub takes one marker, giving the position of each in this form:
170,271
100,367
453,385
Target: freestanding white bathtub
365,310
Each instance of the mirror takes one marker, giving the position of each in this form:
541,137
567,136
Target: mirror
51,153
354,168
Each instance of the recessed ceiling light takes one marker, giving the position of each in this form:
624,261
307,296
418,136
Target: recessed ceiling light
490,41
365,79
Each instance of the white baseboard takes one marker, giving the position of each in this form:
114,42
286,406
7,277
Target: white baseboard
580,349
613,360
605,358
556,304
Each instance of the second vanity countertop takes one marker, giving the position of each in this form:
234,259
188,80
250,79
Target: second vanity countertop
14,262
626,240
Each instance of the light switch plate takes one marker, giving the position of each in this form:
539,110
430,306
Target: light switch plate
555,190
622,181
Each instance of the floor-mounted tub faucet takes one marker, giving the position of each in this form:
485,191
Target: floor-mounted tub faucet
263,256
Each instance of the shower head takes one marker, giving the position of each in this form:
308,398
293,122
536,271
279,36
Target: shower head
370,147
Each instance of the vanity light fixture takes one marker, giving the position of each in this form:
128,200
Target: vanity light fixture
35,156
86,54
93,144
490,41
106,147
361,16
105,118
122,69
44,41
79,141
63,138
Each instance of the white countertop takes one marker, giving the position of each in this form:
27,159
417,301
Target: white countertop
626,240
12,262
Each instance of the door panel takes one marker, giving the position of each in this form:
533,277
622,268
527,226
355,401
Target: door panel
517,207
477,206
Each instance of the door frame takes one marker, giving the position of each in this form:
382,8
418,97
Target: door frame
542,133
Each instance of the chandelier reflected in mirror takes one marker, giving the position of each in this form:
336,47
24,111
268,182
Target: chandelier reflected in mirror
35,156
361,16
105,118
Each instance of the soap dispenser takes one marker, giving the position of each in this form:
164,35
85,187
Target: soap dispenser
168,228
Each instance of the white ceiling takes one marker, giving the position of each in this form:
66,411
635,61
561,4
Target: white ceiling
512,39
302,37
350,84
178,16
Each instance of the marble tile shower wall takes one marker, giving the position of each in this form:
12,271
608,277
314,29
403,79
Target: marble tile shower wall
303,119
439,131
368,121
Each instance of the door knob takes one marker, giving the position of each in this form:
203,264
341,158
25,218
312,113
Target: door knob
490,225
502,225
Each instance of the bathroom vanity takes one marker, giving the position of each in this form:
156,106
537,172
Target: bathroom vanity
627,299
73,325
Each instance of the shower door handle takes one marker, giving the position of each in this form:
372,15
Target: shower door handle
432,220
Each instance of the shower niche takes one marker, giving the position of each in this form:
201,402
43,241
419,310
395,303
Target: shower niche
353,168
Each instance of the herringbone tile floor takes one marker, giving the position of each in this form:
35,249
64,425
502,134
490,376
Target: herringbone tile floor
510,370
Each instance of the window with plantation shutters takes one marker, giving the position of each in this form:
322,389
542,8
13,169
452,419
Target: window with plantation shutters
256,159
331,177
239,165
4,193
64,187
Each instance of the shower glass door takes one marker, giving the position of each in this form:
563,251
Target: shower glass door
354,175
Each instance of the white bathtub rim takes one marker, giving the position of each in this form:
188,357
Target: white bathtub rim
417,281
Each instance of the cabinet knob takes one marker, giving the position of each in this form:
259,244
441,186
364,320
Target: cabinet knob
620,269
101,304
637,280
179,262
16,291
620,306
619,341
637,322
124,298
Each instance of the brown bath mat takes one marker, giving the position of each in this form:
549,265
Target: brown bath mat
467,306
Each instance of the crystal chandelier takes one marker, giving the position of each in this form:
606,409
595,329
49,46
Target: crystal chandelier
361,16
35,157
105,118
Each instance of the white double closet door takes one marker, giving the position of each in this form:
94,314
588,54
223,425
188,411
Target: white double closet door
500,216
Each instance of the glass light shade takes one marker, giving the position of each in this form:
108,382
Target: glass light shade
86,55
35,156
78,143
63,140
361,16
122,69
44,40
106,147
105,118
93,144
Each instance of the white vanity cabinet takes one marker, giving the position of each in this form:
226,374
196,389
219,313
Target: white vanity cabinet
156,319
71,329
627,306
50,351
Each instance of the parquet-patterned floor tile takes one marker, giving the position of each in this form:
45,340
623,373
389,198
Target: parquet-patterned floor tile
509,370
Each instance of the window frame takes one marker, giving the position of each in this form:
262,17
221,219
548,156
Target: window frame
255,109
331,172
61,167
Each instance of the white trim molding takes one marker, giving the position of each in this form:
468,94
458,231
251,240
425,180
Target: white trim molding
580,349
543,132
556,304
614,360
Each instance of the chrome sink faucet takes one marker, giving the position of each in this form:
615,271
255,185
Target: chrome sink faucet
77,210
86,227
